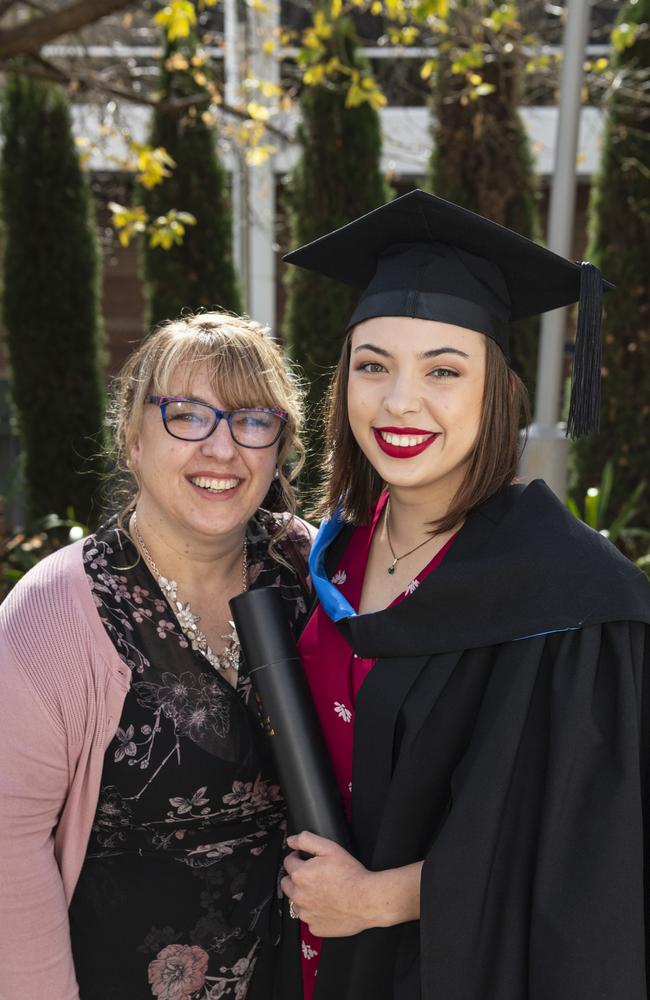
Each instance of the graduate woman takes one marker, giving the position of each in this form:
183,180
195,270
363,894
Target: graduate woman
478,657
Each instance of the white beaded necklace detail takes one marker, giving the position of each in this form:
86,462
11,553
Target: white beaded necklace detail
228,659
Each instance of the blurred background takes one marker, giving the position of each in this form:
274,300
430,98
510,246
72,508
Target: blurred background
159,157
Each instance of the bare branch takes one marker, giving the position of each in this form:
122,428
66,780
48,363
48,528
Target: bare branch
48,71
29,36
6,5
57,74
34,5
37,72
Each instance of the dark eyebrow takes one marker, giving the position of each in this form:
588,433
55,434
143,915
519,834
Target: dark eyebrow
424,355
371,347
443,350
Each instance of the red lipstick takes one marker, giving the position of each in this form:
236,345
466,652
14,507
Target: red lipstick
399,451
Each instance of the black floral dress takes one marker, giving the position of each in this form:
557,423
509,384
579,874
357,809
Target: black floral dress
178,895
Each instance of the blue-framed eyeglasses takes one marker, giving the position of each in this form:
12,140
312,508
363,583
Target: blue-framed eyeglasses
191,420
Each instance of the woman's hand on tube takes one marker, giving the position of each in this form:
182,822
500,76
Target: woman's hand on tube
336,896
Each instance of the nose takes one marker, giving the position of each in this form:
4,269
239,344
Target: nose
402,396
220,443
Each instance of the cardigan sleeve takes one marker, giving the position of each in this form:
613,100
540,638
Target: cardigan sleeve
35,955
35,772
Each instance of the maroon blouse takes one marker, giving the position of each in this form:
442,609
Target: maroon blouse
335,674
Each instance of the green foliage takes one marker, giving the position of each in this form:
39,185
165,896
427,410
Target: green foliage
481,157
51,302
618,528
336,179
197,272
620,246
24,550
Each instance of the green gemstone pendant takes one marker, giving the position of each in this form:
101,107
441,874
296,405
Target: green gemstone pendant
391,569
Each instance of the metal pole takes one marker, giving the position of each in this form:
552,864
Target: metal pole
232,93
262,22
547,449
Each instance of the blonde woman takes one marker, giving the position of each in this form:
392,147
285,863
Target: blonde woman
143,824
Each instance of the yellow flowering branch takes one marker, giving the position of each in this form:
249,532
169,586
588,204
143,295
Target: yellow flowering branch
165,231
177,19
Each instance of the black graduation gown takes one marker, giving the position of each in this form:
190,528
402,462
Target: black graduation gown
502,737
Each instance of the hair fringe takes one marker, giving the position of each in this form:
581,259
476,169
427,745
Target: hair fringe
245,367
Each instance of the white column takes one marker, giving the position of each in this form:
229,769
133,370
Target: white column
234,45
547,450
261,296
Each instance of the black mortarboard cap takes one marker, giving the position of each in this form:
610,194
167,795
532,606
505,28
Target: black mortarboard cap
425,257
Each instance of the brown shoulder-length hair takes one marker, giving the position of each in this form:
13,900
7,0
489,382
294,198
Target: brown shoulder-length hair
351,480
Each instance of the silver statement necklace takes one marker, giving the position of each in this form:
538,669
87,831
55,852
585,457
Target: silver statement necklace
396,559
228,659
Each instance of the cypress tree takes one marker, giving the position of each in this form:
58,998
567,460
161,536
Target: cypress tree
619,244
337,178
51,297
481,158
199,272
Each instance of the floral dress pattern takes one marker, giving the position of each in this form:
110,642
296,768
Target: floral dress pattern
178,897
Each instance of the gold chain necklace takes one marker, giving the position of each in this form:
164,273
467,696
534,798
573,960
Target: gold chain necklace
228,659
396,559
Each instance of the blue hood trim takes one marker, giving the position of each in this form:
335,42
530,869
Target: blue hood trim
335,605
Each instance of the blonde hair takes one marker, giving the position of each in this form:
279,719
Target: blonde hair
245,367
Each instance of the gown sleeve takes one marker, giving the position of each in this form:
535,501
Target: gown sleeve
35,952
534,885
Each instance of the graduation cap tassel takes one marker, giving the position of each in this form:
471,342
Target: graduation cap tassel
584,407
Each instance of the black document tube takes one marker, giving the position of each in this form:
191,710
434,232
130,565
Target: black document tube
299,751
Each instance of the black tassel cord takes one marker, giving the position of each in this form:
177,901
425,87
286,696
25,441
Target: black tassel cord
584,407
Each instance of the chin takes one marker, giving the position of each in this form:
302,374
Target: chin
448,480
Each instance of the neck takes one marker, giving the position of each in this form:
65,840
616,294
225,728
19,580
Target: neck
180,558
411,516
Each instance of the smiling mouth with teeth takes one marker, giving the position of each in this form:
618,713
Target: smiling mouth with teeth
214,485
404,440
406,443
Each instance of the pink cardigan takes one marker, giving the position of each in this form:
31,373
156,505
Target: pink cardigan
62,688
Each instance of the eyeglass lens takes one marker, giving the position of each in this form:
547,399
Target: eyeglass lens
252,428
